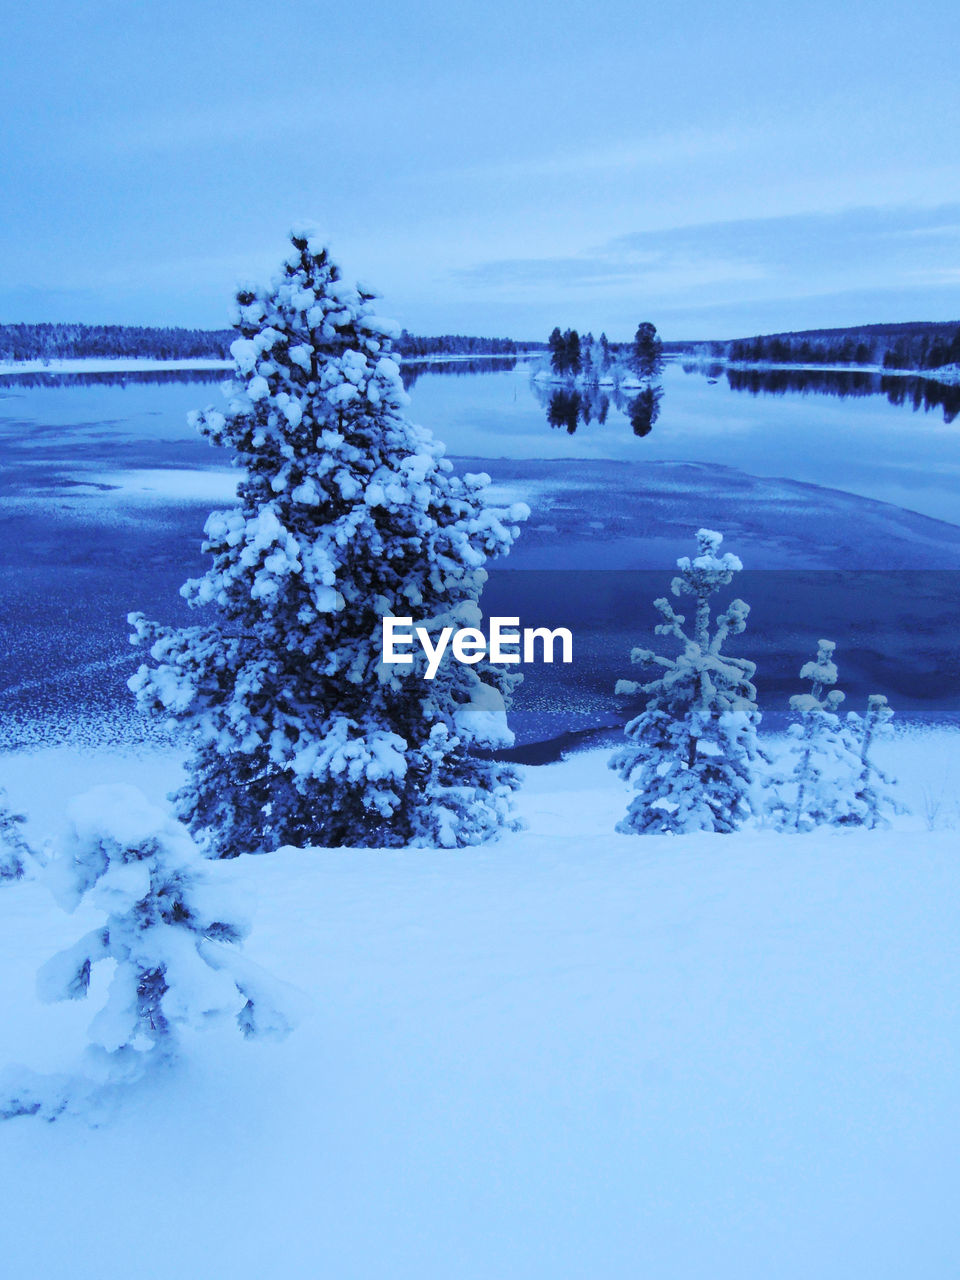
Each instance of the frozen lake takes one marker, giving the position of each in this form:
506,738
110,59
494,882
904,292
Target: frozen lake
844,506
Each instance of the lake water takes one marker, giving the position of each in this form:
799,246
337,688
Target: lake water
843,504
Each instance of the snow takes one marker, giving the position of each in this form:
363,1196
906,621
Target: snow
572,1054
161,485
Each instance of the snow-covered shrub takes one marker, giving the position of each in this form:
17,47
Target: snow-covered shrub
14,850
822,786
164,927
348,513
872,788
691,753
460,807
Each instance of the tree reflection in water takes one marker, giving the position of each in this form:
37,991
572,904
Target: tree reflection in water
571,406
919,392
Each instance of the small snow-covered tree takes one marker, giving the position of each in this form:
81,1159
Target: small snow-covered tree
14,850
691,753
873,784
449,816
822,786
164,927
348,513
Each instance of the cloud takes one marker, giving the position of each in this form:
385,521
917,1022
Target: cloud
796,255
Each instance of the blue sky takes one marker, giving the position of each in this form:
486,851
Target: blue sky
494,168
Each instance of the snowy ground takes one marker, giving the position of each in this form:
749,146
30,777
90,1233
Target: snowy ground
571,1055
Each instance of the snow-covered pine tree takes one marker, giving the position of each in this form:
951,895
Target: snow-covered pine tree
691,753
14,849
872,786
822,786
165,928
348,513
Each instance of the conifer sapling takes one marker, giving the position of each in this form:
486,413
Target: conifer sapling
822,786
873,783
691,752
165,927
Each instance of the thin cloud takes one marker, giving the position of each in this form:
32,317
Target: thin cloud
795,254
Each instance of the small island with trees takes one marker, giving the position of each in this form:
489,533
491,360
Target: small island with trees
581,375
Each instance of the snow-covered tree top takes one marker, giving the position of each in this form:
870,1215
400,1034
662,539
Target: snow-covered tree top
823,670
121,850
309,308
708,569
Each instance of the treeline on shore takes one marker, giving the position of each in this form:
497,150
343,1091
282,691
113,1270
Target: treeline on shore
920,345
111,341
458,344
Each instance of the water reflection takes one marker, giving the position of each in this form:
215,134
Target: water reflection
410,372
570,406
141,377
644,410
135,377
918,393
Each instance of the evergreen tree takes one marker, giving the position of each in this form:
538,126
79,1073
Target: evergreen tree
822,786
587,367
691,753
558,351
647,351
14,849
348,514
172,944
572,347
163,928
877,802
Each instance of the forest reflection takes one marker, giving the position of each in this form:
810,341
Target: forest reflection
410,371
917,393
133,377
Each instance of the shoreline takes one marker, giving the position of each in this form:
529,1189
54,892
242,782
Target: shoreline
149,364
948,375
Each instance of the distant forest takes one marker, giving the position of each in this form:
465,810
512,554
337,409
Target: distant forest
109,341
921,345
458,344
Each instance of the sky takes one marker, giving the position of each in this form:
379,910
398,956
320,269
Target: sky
495,168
